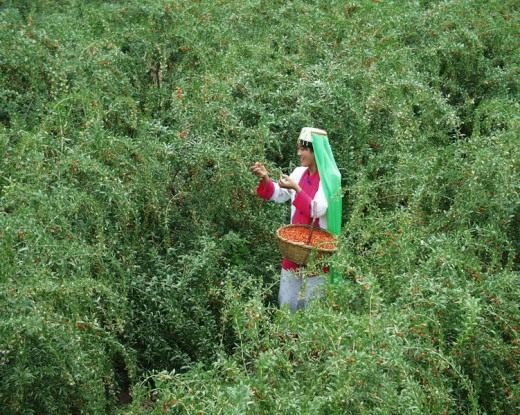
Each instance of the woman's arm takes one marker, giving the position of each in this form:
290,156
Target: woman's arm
267,189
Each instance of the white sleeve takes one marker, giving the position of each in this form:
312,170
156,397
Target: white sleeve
280,195
319,204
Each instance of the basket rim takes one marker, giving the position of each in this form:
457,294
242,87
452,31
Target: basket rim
302,245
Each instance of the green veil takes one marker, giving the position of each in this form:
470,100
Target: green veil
330,178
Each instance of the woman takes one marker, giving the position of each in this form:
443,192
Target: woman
314,189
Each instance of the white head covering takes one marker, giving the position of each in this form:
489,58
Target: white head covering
306,134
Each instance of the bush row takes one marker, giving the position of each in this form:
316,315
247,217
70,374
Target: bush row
136,256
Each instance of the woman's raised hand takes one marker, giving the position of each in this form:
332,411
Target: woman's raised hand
259,170
287,183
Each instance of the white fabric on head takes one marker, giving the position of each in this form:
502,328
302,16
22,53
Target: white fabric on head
306,133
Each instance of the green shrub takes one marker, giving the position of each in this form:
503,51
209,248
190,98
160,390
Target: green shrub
136,256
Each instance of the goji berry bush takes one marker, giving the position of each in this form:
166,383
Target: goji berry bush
138,268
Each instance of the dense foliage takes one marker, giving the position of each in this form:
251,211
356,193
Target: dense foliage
136,258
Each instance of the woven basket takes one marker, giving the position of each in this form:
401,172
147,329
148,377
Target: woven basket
300,252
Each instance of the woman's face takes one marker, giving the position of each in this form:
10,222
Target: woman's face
306,157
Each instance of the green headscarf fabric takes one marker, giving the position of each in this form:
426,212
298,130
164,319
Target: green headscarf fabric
331,182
